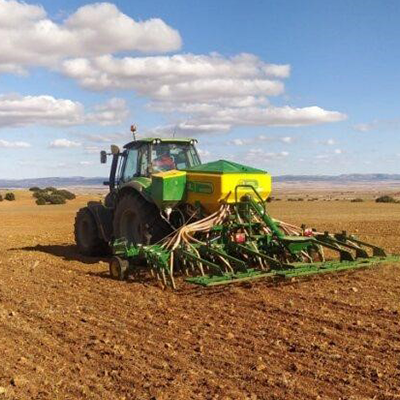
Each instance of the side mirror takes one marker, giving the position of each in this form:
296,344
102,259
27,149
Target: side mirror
103,157
114,149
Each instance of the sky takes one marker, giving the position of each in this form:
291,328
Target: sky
292,87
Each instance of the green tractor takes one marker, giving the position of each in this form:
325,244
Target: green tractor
170,215
130,210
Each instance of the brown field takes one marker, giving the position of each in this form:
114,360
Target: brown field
67,331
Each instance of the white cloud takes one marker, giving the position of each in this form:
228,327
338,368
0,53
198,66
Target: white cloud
12,69
205,155
216,119
17,110
30,37
329,156
287,139
328,142
239,142
7,144
181,82
380,125
113,112
261,139
259,156
276,116
280,71
158,76
204,93
322,156
363,127
92,149
108,138
186,128
212,92
64,143
268,116
85,163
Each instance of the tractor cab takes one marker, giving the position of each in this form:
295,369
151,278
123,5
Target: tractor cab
142,158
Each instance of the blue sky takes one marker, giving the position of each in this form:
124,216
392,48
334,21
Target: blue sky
308,87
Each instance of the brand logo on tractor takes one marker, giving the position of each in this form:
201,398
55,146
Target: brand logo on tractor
250,182
200,187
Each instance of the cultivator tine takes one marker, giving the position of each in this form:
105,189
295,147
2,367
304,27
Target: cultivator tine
214,267
376,251
343,240
204,250
327,242
246,250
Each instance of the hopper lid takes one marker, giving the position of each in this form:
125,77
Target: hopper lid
225,167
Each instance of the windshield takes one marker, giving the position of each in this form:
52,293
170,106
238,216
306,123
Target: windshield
167,156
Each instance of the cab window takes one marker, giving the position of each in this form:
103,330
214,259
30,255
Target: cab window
143,161
168,156
131,166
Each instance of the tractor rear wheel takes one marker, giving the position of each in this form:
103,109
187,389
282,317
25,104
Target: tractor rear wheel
139,221
87,234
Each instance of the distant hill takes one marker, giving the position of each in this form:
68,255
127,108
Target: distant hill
98,181
344,178
53,181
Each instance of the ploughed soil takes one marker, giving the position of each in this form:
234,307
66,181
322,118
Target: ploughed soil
67,331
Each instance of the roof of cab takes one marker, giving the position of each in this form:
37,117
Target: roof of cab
158,140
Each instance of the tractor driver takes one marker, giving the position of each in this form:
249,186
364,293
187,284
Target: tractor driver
163,160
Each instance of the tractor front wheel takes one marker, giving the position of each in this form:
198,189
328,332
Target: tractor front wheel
87,236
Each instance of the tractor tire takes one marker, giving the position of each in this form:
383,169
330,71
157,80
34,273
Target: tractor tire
87,236
139,221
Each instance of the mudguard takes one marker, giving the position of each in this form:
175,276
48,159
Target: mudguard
140,185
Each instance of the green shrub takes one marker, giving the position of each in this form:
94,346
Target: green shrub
56,199
386,199
34,189
357,200
38,193
41,194
50,192
1,197
66,194
40,201
10,196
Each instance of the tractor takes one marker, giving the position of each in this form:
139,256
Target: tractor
168,214
130,209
